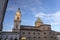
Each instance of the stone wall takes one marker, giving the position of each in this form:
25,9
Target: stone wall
10,36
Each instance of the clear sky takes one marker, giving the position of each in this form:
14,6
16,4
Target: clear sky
47,10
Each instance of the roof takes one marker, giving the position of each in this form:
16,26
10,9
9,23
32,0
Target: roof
38,20
25,27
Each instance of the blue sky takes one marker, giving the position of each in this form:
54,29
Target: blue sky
47,10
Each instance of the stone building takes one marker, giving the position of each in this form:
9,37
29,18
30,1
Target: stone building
40,31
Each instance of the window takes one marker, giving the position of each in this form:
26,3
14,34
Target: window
23,32
39,37
44,32
16,26
28,37
45,37
51,37
50,33
38,33
34,33
54,37
28,32
53,34
34,37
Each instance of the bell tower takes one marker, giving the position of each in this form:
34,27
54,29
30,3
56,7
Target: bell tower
17,21
38,22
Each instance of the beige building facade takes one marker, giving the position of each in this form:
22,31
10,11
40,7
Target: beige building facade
40,31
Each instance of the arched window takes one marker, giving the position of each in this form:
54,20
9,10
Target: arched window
28,32
23,33
16,26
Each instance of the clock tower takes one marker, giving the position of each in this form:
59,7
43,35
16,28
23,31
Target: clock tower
17,21
38,22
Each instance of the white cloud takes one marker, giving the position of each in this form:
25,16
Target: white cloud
7,27
56,16
7,24
26,20
40,14
53,17
38,2
7,30
11,8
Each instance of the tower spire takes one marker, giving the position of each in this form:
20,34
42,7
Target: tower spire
18,14
17,21
38,22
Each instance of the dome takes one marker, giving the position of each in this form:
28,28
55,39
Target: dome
38,20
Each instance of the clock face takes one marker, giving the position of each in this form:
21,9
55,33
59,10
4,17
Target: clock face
38,24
